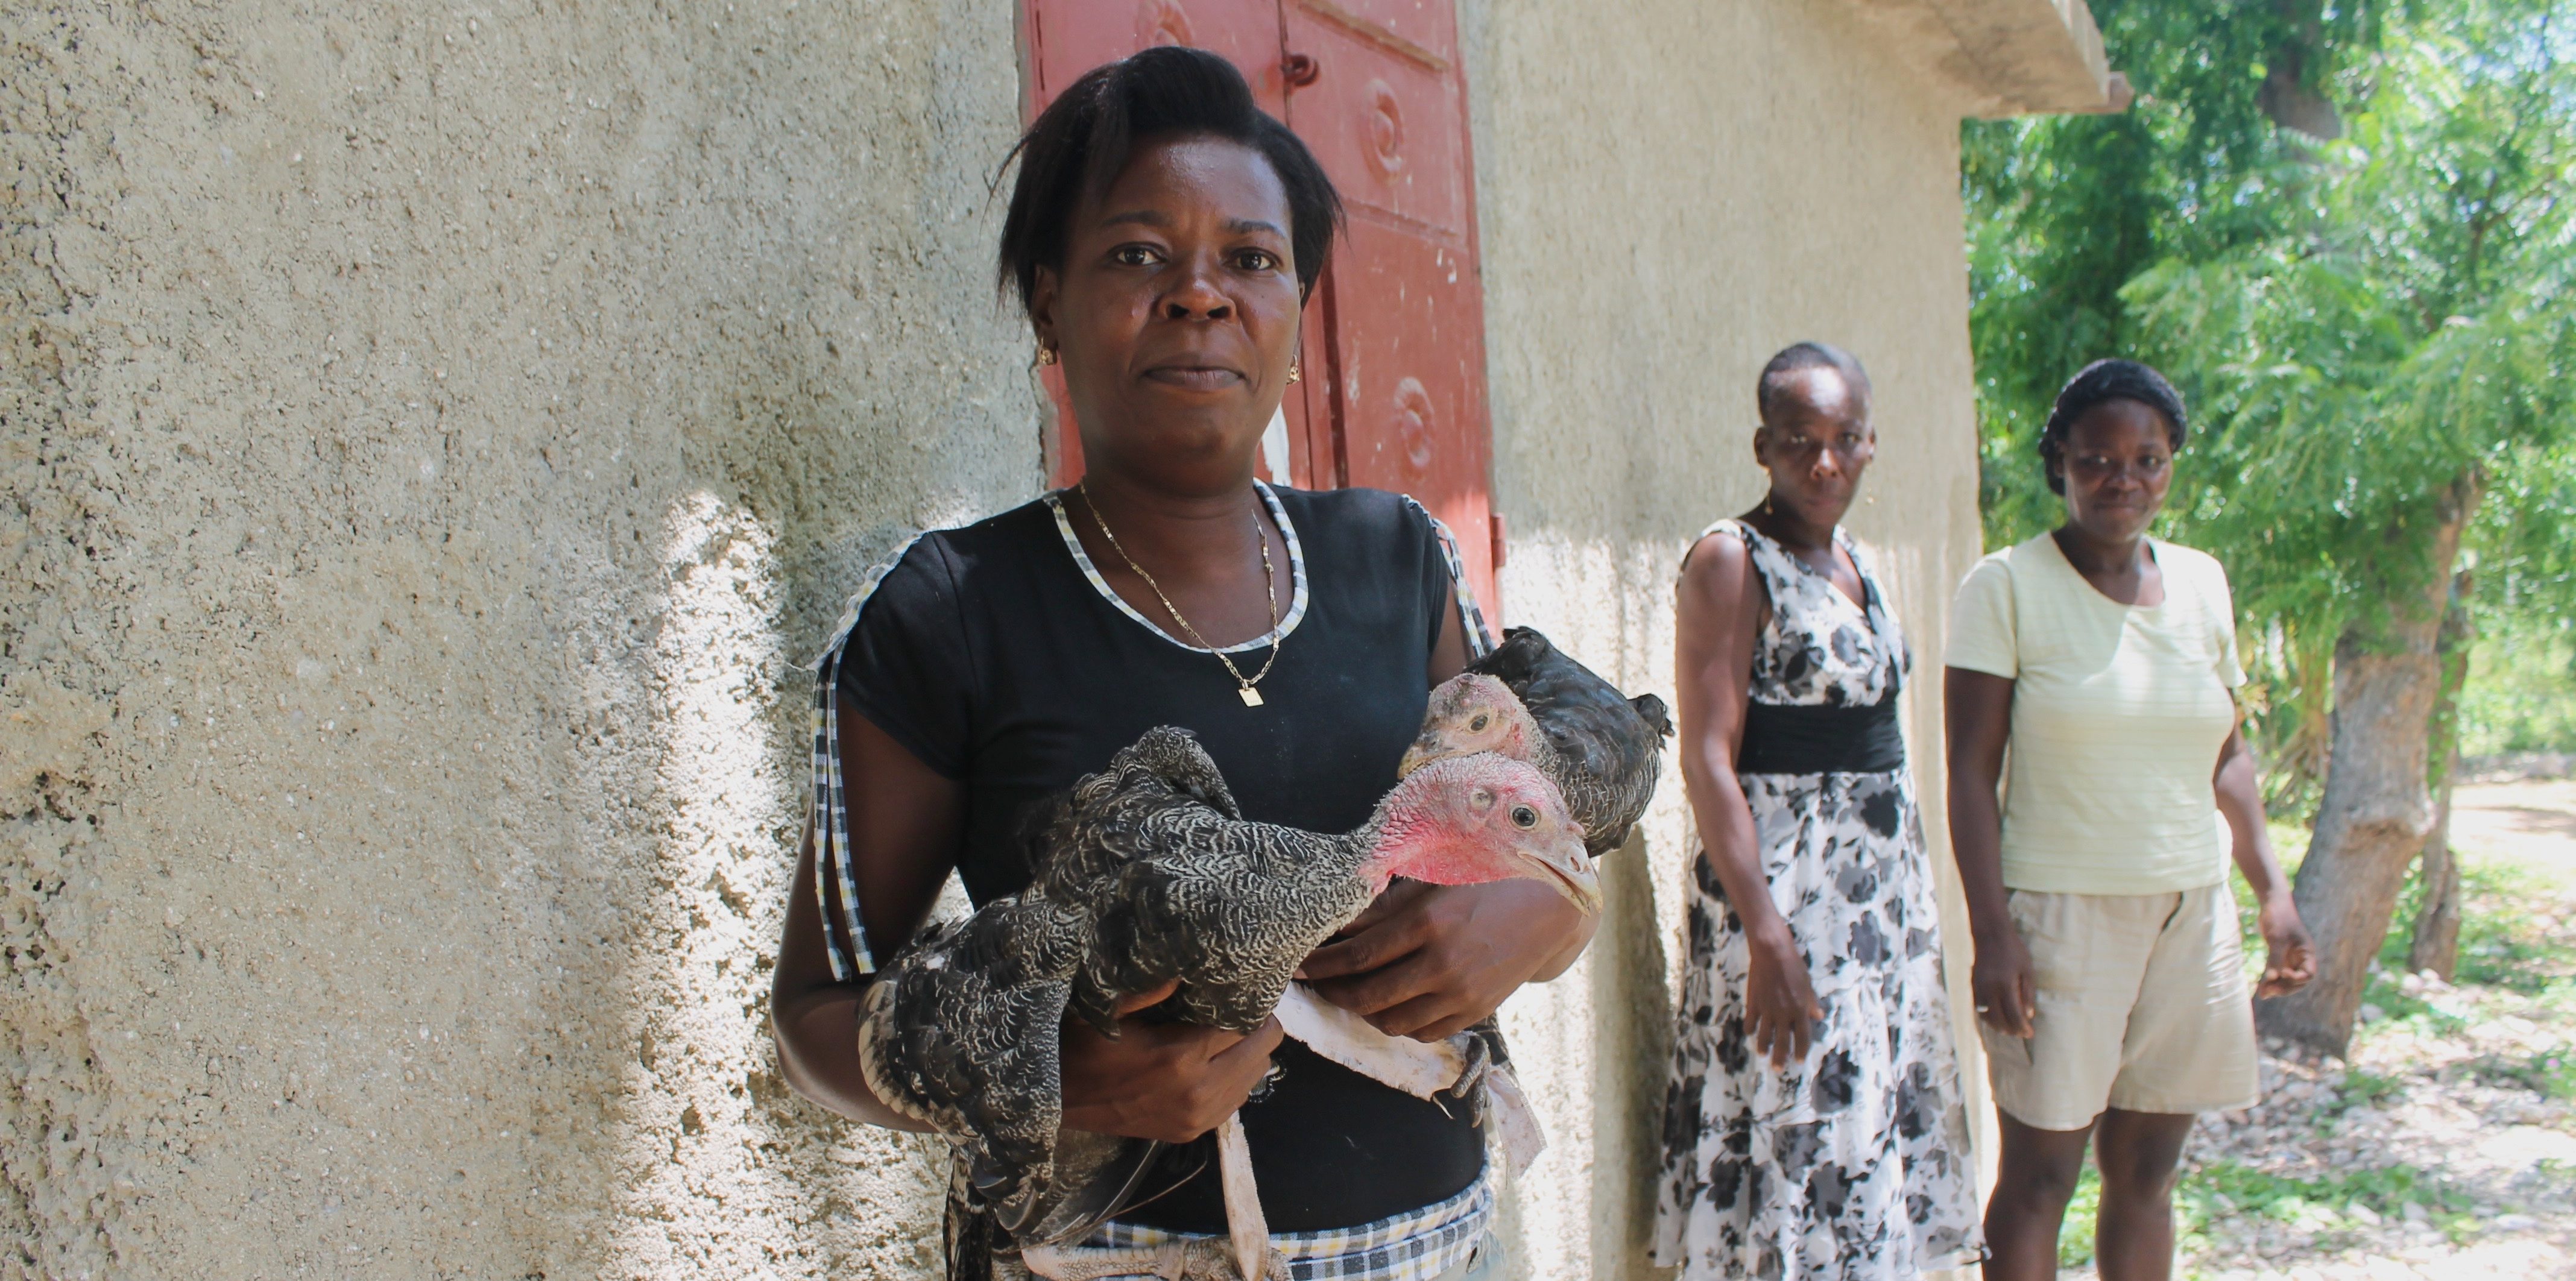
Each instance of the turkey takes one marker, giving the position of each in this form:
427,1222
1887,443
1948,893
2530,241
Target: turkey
1531,701
1147,874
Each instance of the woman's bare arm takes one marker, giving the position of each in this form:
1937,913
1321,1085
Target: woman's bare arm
905,820
2292,958
1720,612
1978,707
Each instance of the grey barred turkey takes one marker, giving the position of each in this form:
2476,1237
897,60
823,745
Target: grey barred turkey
1146,873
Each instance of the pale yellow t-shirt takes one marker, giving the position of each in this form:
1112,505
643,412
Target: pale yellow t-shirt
2117,717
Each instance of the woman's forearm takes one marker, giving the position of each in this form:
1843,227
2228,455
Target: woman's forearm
818,1043
1979,720
814,1021
1727,838
2240,801
1976,837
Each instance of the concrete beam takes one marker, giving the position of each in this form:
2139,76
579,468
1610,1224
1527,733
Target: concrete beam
2008,57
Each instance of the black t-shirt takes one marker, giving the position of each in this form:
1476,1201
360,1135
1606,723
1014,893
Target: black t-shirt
996,655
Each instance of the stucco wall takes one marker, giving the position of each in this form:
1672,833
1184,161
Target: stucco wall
1670,191
432,436
429,434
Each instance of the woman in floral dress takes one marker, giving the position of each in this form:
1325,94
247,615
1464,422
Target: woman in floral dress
1813,1126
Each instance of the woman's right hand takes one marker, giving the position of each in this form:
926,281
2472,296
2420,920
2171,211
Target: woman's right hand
2006,986
1166,1081
1780,1009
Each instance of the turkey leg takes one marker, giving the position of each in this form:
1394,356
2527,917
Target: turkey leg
1420,1070
1245,1225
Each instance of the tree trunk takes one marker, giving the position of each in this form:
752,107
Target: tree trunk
2376,811
2436,946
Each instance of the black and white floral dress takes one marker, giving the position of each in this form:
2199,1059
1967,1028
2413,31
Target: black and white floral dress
1852,1163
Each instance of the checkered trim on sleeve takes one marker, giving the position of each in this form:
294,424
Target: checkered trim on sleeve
1480,639
836,884
1419,1245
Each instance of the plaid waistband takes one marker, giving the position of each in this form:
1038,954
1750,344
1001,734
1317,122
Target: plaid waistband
1418,1245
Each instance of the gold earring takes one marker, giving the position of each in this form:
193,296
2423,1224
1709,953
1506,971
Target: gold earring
1766,502
1293,373
1046,355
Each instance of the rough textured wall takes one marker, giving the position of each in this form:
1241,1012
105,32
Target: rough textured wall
1669,191
429,436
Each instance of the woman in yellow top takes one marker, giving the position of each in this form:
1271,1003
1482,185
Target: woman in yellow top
2108,974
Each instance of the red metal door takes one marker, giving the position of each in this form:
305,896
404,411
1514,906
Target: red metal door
1394,395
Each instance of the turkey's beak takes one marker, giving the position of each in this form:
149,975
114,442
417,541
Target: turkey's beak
1568,870
1425,750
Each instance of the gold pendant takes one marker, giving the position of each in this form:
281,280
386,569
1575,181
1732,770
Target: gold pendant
1251,696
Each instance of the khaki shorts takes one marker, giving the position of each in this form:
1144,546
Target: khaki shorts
2142,1007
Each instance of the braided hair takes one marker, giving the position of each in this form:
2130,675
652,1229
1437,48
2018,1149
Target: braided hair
2106,380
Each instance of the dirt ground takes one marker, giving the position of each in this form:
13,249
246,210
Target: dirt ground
2446,1149
2529,822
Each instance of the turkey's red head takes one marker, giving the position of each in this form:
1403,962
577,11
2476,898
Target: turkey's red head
1471,712
1472,819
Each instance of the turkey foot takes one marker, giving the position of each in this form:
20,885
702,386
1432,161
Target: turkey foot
1411,1066
1245,1226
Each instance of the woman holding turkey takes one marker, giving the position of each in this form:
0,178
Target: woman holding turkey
1163,235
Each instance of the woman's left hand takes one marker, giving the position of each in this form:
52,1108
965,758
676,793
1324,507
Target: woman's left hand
1428,961
2291,958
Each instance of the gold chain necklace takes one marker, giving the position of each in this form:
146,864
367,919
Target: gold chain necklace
1251,697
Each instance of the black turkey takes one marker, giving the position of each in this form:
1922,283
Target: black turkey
1145,874
1531,701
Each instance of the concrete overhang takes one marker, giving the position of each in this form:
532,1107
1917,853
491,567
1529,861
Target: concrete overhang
2009,57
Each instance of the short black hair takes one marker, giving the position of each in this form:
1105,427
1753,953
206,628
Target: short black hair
1081,142
2105,380
1798,356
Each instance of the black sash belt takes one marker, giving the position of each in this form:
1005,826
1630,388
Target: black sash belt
1797,739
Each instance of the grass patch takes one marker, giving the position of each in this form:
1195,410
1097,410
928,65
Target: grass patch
2548,1073
2225,1191
2361,1088
2511,932
2075,1234
2513,938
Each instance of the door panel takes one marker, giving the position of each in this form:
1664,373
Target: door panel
1409,365
1385,112
1072,38
1423,30
1391,131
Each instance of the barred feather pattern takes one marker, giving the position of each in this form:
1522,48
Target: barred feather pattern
1180,887
960,1032
1145,872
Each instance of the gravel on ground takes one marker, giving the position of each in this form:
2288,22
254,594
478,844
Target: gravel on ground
2445,1149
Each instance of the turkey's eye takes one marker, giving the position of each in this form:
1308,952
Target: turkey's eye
1478,725
1524,816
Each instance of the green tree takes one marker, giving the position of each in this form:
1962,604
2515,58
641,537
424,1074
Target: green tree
2374,332
2064,211
2367,379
